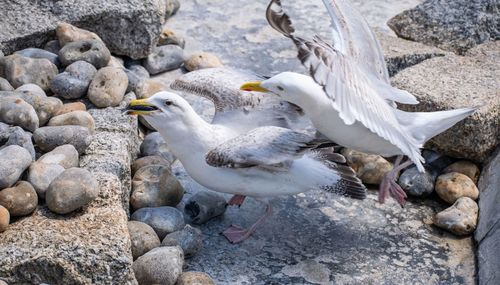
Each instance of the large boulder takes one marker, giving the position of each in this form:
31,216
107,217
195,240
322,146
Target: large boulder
455,25
128,27
450,82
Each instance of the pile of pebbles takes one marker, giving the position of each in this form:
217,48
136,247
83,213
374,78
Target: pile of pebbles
453,181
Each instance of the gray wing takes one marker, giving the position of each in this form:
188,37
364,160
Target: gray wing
356,94
243,111
265,146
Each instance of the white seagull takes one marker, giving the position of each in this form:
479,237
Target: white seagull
265,162
348,96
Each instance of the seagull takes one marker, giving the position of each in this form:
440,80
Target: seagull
348,96
265,162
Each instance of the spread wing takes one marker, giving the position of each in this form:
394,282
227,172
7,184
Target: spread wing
356,94
265,146
242,111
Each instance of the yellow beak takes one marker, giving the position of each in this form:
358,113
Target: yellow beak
140,107
253,86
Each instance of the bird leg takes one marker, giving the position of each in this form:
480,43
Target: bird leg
236,234
236,200
389,185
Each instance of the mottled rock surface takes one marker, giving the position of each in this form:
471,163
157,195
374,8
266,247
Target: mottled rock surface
460,218
142,237
20,199
13,161
453,185
163,220
194,278
162,265
4,219
190,239
21,70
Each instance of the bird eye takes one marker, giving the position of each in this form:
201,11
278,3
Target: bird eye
168,103
280,88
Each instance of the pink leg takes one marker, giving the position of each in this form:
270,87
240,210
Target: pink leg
389,185
236,200
237,234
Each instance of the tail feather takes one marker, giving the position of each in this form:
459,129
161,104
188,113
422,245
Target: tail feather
425,125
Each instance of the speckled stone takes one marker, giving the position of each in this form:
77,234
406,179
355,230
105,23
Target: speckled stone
154,144
19,70
70,107
45,107
416,183
465,167
15,111
74,82
39,53
79,118
149,160
4,220
67,33
164,58
163,220
202,60
48,138
169,37
460,218
13,161
91,51
108,87
17,136
204,206
195,278
142,237
162,265
190,239
5,85
20,199
65,155
135,74
452,186
370,168
32,89
71,190
40,175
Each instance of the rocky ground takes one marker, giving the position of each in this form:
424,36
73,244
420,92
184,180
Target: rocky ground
89,195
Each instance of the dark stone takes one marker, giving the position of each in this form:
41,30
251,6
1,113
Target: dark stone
74,82
416,183
91,51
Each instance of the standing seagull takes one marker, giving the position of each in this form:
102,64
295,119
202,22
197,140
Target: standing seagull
348,96
262,163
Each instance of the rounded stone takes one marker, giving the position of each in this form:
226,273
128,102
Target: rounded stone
4,219
67,33
80,118
70,107
169,37
116,62
202,60
91,51
40,175
32,89
204,206
48,138
452,186
460,218
142,237
172,6
108,87
149,160
19,70
74,82
135,74
20,199
14,160
17,136
71,190
164,58
195,278
190,239
148,87
40,53
45,107
154,144
15,111
5,85
64,155
163,220
370,168
465,167
161,265
52,46
417,184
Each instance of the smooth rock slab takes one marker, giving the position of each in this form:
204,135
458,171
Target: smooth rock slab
163,220
161,265
13,161
48,138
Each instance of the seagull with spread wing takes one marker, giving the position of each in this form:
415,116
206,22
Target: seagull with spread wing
264,162
348,96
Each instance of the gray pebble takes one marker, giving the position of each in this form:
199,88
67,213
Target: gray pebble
17,136
13,161
460,218
204,206
148,160
74,82
417,184
162,265
164,58
108,87
40,53
45,107
40,175
154,144
5,85
48,138
52,46
19,70
71,190
142,238
33,89
79,118
135,74
20,199
91,51
190,239
154,186
64,155
163,220
15,111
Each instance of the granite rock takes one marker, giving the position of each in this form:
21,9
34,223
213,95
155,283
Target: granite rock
142,237
163,220
19,70
13,161
108,87
20,199
91,51
48,138
162,265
